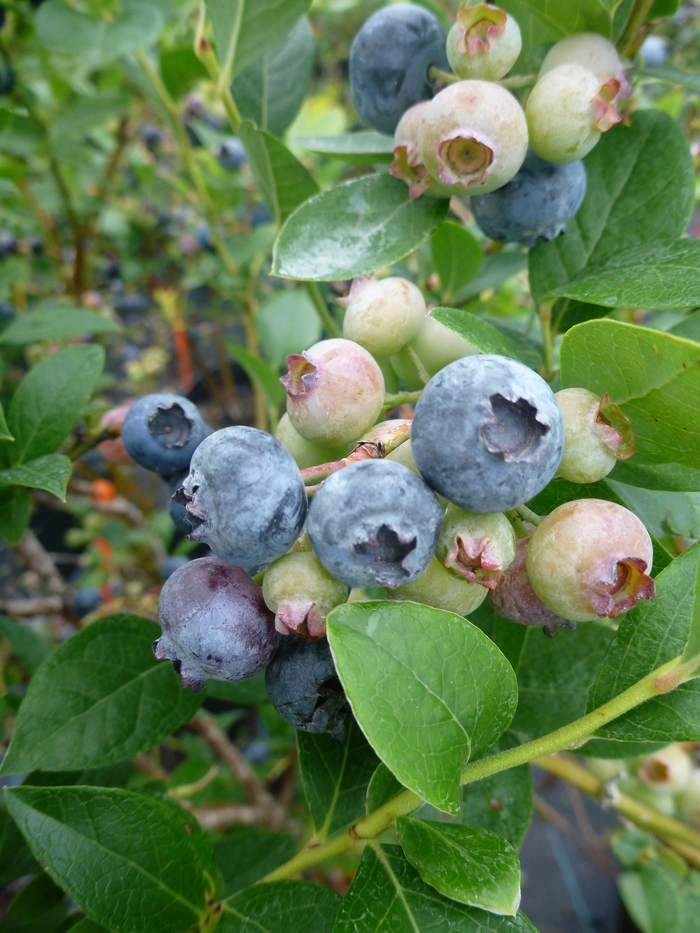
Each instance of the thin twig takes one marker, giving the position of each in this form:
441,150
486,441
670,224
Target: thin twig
231,814
36,556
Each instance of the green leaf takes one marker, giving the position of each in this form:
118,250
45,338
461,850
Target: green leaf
428,689
653,633
670,476
501,803
36,899
27,644
6,117
180,69
692,647
246,29
271,89
661,900
250,692
496,269
457,257
15,512
671,76
71,123
354,229
554,674
466,863
548,21
60,322
245,855
364,148
4,432
65,31
382,788
661,8
16,858
387,893
260,373
148,872
654,377
283,181
99,698
478,332
631,199
287,323
663,513
335,778
281,907
50,473
87,926
654,278
50,399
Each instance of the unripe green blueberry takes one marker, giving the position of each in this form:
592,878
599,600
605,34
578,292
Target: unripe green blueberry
477,547
591,443
438,588
404,455
589,559
663,802
605,769
688,800
483,43
306,453
335,391
383,315
301,594
436,346
474,135
407,164
567,111
667,771
592,51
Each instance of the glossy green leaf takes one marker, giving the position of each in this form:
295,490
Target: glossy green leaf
50,473
655,632
264,376
497,268
387,894
466,863
246,29
364,148
16,858
4,431
382,788
180,69
147,872
250,692
660,900
57,323
64,30
663,513
429,690
271,89
283,181
15,512
478,332
692,647
632,199
669,476
36,899
27,644
547,21
457,257
653,277
281,907
71,124
246,855
87,926
50,399
661,8
287,323
501,803
335,777
354,229
654,377
99,698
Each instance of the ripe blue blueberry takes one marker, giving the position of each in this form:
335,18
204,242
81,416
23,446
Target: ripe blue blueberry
230,154
389,62
487,433
374,523
244,496
304,688
215,623
161,432
535,205
86,600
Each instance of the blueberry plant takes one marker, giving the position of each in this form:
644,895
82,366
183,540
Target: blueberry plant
359,388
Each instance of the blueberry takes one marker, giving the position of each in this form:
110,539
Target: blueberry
131,308
230,154
161,432
654,51
8,241
215,623
245,497
535,205
374,523
7,79
304,688
259,215
86,600
151,136
178,512
487,433
171,564
389,62
202,235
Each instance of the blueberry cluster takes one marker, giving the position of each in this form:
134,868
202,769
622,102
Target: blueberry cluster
522,167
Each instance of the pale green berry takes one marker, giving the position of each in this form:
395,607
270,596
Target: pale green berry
435,346
407,164
663,802
438,588
483,43
592,51
306,453
589,441
383,315
301,594
404,455
476,547
688,800
606,769
667,771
